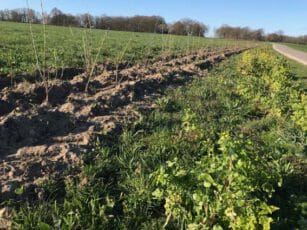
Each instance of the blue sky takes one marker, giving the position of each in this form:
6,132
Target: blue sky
272,15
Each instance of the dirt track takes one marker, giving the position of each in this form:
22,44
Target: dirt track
294,54
40,141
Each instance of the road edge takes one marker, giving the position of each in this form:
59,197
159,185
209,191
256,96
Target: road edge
289,55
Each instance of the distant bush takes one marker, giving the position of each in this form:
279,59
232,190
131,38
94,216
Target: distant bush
245,33
188,27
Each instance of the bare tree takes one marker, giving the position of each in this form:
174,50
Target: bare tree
188,27
245,33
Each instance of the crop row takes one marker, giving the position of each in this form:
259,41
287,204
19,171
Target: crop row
22,47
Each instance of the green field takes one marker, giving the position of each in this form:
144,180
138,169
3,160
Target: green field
72,47
298,47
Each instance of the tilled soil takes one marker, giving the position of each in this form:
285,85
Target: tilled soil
38,141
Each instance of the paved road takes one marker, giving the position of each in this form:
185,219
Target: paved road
294,54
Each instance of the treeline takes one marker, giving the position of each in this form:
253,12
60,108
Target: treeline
150,24
20,15
245,33
278,37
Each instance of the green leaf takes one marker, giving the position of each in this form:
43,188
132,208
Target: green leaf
158,193
20,190
181,173
267,209
43,226
193,226
217,227
110,202
208,180
207,184
266,222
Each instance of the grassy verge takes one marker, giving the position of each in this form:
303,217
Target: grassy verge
298,47
226,151
299,70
